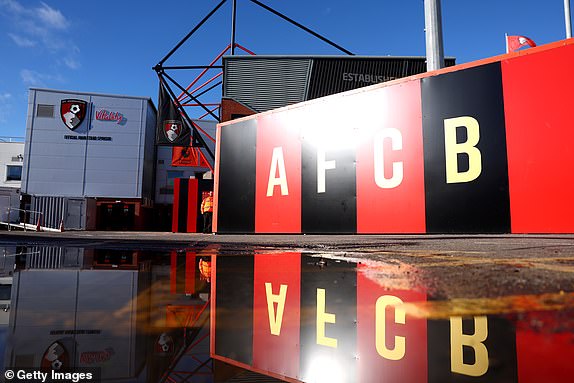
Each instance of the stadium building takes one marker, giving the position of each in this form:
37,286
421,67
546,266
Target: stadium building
91,161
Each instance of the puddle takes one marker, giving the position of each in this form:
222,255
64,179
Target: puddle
129,316
332,320
213,315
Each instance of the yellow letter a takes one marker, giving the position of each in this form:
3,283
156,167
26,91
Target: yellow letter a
275,320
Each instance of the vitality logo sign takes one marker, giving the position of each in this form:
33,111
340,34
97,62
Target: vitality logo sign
73,112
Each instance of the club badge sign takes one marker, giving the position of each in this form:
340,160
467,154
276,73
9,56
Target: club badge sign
172,129
55,358
73,112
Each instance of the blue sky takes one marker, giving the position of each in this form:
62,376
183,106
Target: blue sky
110,46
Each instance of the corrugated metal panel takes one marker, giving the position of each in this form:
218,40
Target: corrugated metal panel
338,74
265,83
52,209
42,257
269,82
252,377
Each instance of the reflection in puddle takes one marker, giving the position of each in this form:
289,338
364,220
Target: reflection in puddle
139,316
328,320
129,315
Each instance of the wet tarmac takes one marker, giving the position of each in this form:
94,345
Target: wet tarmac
159,307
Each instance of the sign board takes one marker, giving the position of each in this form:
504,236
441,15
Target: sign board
476,148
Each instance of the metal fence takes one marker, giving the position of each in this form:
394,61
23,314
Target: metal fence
23,219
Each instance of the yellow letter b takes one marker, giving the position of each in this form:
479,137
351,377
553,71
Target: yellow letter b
453,149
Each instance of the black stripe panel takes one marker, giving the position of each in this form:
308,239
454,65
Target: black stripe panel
234,308
183,205
335,209
236,199
478,204
339,282
494,358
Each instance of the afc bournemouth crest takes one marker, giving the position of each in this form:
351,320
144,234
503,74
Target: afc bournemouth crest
73,112
172,129
164,344
55,358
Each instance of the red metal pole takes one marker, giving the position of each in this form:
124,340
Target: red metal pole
203,72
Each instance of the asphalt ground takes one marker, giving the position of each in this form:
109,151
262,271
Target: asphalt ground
465,274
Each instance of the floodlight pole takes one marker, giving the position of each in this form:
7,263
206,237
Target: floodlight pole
433,33
233,19
567,19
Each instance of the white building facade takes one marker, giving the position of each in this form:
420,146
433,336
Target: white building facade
11,162
89,159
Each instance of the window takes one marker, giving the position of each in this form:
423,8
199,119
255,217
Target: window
5,291
13,172
172,174
45,110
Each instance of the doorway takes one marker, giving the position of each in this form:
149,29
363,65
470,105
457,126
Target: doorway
116,216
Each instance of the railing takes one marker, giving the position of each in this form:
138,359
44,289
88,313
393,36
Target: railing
6,255
12,139
24,217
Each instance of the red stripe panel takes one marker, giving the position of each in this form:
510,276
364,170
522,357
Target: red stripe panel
175,211
280,212
412,366
277,353
190,270
539,115
213,304
192,202
544,355
173,273
390,142
216,180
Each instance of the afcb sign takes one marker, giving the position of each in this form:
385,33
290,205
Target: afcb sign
481,148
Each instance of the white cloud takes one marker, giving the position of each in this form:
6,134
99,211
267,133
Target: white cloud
22,41
30,77
39,18
71,63
5,106
41,26
51,17
12,6
33,78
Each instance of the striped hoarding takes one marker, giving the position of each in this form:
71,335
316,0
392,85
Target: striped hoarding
475,148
